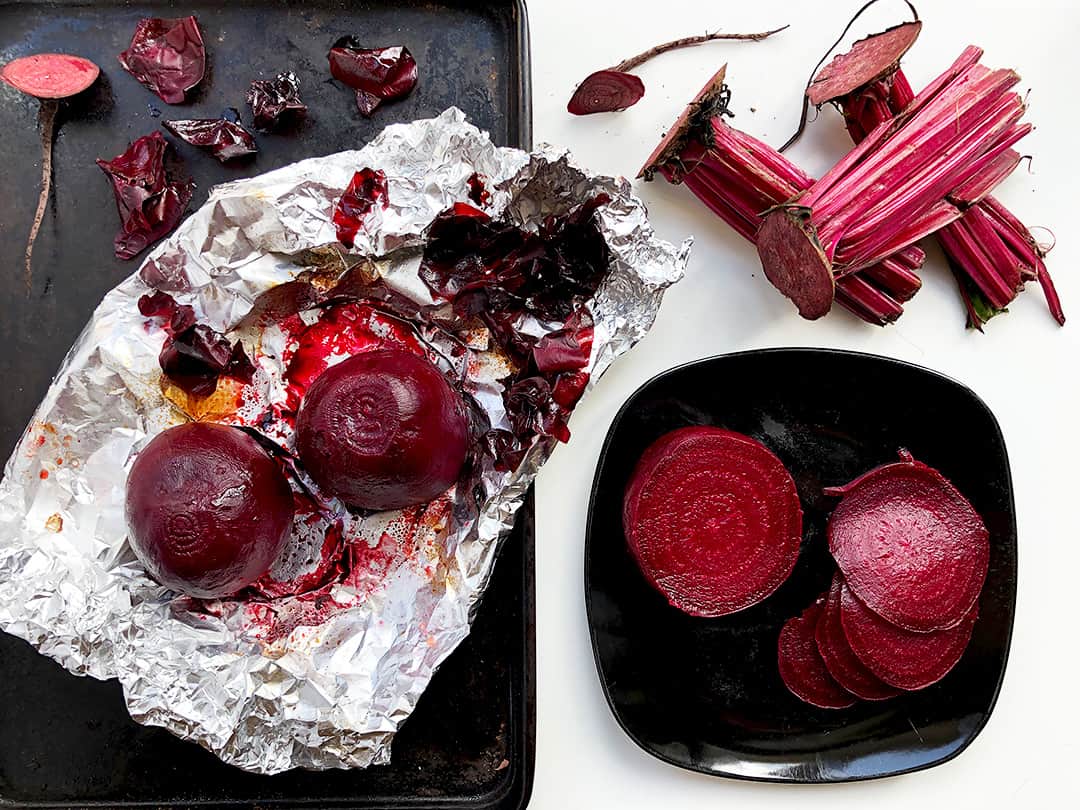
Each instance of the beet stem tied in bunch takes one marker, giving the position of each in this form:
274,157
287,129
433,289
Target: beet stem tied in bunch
909,177
990,251
740,178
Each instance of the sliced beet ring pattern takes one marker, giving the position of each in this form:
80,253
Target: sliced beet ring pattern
713,519
910,546
899,657
801,666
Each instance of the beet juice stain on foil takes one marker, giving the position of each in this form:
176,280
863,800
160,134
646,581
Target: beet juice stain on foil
325,683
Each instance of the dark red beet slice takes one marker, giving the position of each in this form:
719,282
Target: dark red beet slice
910,545
224,139
166,55
208,510
868,60
794,262
50,75
383,430
802,667
606,91
899,657
845,667
713,519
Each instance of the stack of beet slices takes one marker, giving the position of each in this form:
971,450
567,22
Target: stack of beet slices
912,555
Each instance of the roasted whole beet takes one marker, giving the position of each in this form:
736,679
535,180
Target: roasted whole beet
383,430
208,511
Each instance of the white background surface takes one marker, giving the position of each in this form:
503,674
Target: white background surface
1024,367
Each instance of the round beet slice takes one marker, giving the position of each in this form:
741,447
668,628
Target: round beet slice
845,667
899,657
50,75
713,519
910,545
801,665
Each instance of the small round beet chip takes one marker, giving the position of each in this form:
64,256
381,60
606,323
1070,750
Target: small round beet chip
713,519
899,657
801,666
910,546
844,666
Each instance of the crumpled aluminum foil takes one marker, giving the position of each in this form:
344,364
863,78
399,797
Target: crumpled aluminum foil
331,692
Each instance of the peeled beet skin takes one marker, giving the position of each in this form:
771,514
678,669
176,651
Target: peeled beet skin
383,430
910,545
845,667
899,657
208,511
713,519
802,667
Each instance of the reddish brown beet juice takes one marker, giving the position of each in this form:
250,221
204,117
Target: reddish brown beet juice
383,430
208,511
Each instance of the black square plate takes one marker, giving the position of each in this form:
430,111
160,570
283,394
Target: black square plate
705,694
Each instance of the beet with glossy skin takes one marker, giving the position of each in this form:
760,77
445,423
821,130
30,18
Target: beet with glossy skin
208,511
383,430
899,657
713,519
841,662
910,546
166,55
801,666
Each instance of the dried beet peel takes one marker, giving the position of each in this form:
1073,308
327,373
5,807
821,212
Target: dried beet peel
713,519
166,55
275,100
224,139
376,74
910,546
801,666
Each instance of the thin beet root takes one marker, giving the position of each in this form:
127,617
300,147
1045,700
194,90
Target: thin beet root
615,89
47,77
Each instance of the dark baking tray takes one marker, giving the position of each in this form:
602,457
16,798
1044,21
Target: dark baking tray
67,741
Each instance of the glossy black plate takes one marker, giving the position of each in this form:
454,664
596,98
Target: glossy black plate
67,741
705,694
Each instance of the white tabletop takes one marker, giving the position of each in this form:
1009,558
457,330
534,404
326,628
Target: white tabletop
1024,367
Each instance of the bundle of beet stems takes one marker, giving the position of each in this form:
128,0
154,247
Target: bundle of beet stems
991,253
850,235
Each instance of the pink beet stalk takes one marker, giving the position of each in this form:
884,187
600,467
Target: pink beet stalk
739,178
990,251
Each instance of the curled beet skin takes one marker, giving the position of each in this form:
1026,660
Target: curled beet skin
273,100
166,55
224,139
376,74
149,202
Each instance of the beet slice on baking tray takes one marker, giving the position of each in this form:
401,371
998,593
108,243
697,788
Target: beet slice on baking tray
844,666
899,657
910,546
713,519
801,666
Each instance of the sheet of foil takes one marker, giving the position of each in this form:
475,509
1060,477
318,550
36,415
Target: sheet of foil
330,686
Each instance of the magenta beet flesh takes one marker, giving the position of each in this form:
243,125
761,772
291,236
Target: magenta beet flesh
845,667
383,430
713,519
910,546
208,511
801,666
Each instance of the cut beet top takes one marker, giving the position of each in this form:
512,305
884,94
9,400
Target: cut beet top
50,75
910,545
713,519
383,430
899,657
208,510
840,661
802,667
